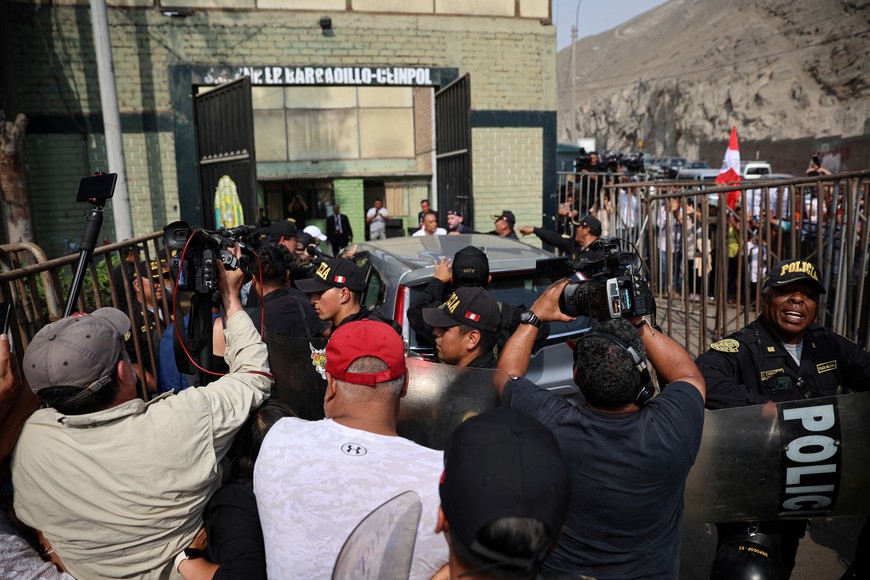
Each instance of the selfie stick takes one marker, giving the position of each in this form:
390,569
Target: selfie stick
93,223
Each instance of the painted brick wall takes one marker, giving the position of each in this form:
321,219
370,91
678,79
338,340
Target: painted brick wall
349,195
508,160
511,62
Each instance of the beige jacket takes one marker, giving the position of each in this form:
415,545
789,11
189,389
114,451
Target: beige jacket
120,492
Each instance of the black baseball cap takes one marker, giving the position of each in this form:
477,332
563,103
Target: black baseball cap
470,306
455,212
334,273
791,271
470,267
149,269
591,222
506,215
502,464
282,228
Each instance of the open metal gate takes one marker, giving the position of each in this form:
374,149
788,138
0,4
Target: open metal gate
453,146
227,164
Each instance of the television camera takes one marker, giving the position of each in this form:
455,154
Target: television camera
612,289
197,252
610,162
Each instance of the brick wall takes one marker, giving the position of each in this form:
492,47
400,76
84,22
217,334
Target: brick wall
508,160
349,195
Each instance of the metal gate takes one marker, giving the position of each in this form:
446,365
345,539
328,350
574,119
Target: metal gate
453,146
225,141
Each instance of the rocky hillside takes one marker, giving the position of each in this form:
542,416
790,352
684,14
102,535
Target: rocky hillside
683,73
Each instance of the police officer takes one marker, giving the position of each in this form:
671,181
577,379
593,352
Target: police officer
148,280
469,268
783,356
587,231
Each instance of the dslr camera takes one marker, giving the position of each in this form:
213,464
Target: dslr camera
612,289
197,252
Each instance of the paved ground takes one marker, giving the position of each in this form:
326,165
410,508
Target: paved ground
824,553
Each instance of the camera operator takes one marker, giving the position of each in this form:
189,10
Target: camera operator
587,231
629,453
815,169
118,485
282,310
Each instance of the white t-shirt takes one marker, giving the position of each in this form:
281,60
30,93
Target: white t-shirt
422,232
379,218
316,480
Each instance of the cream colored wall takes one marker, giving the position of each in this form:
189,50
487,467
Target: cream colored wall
508,8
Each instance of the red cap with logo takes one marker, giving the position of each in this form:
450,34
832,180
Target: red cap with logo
361,338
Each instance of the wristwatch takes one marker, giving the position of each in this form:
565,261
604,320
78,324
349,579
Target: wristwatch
529,317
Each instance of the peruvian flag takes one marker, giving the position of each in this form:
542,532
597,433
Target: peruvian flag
340,279
472,316
730,172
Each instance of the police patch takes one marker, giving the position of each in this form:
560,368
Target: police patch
767,374
825,367
727,345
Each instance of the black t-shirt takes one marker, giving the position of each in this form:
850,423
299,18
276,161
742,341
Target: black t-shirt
287,312
629,474
235,539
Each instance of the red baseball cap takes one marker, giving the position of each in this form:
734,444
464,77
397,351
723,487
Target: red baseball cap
365,338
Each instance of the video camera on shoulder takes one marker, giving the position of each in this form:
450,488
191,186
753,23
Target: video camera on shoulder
196,252
612,289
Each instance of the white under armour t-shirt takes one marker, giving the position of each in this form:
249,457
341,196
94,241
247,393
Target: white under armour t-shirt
316,480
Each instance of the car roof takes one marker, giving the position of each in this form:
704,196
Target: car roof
411,258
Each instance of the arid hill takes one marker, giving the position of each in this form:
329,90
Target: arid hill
682,74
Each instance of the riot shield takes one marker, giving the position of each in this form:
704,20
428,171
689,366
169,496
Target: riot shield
382,545
796,459
298,365
441,396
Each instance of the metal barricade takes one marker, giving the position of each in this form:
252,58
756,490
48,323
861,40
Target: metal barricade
708,249
37,288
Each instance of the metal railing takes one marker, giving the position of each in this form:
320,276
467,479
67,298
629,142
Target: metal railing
37,289
708,248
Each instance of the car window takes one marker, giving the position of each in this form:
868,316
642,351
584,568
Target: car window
374,293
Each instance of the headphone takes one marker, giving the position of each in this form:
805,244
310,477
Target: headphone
646,391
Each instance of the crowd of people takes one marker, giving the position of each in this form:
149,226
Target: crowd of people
224,481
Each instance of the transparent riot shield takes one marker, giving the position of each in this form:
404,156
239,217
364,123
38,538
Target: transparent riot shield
440,397
797,459
382,545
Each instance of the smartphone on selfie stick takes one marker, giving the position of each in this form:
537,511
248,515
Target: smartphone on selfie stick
95,190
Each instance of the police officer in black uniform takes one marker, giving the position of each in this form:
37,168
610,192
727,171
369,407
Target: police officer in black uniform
782,356
148,279
587,231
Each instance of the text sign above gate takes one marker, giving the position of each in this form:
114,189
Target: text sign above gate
323,75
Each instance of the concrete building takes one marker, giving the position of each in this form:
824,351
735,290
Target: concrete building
349,100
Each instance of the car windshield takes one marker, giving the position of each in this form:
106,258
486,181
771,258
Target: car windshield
524,290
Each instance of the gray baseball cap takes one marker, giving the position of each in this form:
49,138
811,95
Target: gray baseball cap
77,351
